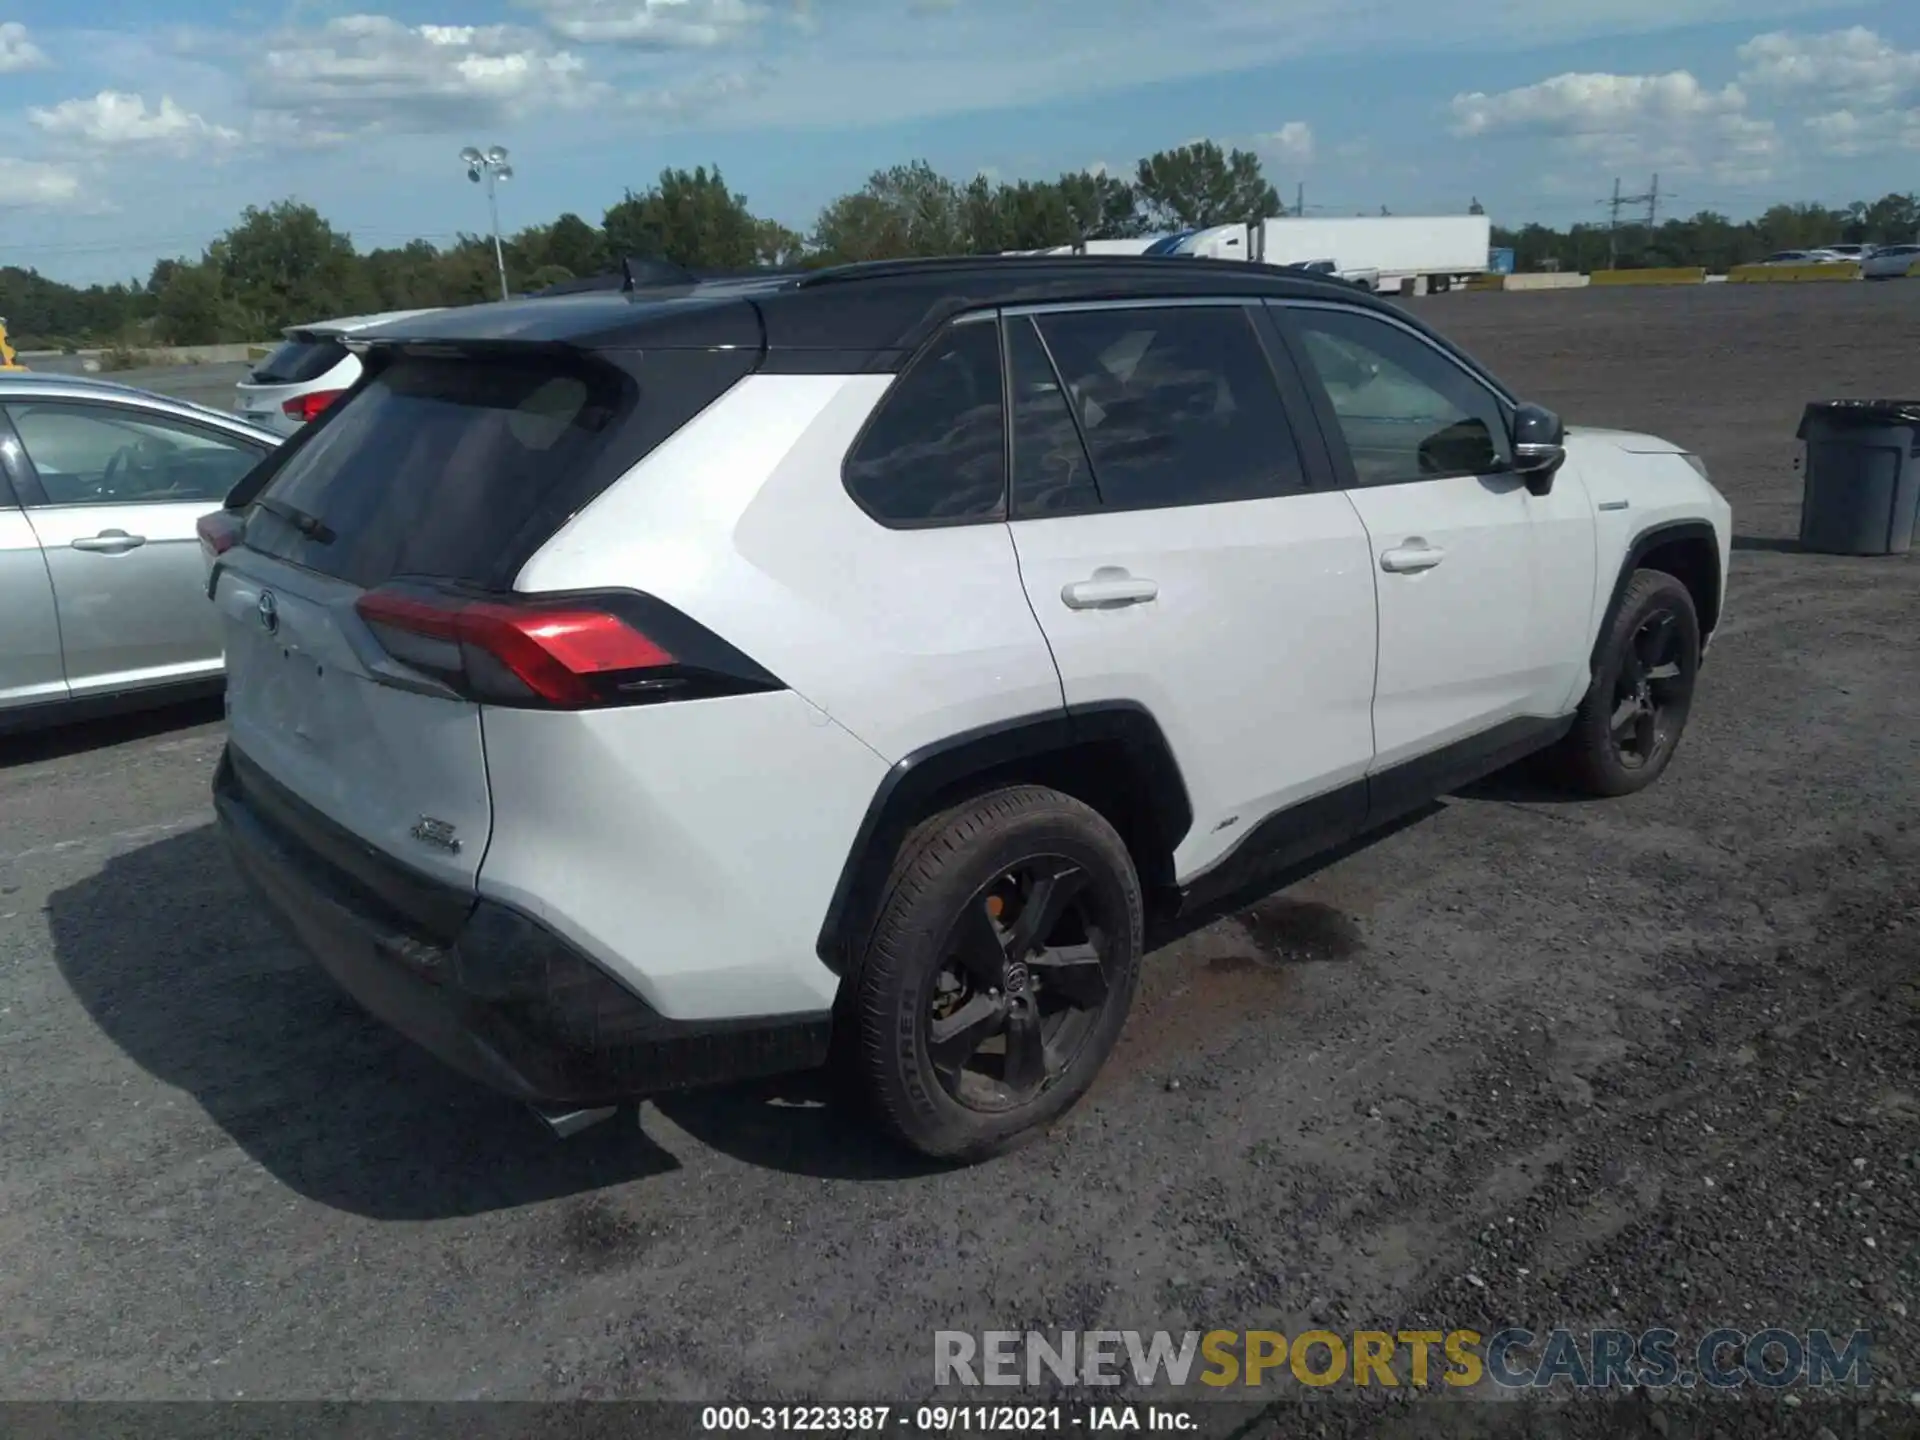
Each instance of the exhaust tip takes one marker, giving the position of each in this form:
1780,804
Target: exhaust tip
565,1121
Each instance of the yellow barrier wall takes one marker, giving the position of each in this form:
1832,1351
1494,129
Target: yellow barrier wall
1672,275
1788,274
1913,271
1488,281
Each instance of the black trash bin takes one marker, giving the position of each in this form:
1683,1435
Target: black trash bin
1862,490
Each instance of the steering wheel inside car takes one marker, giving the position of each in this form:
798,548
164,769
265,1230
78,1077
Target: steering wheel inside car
121,459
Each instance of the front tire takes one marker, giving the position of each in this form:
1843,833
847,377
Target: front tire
1629,725
999,972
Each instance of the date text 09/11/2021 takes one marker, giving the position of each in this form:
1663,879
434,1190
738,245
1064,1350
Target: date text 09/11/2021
945,1419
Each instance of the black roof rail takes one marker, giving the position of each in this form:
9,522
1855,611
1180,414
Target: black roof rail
1057,264
641,272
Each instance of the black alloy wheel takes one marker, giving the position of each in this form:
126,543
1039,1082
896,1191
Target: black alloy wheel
1648,691
1024,979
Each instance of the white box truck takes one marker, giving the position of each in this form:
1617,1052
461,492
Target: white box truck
1095,247
1386,252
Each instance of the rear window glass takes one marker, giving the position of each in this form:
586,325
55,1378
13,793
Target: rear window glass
298,361
440,468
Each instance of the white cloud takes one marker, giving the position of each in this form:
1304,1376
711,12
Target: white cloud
1845,134
34,185
1854,67
17,52
1592,104
1859,88
371,72
1667,122
1292,143
651,24
112,120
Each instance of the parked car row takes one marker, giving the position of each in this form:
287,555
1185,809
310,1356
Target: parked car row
1876,262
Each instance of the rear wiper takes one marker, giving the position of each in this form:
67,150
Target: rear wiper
311,526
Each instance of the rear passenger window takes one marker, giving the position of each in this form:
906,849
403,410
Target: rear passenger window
1051,475
934,452
1177,406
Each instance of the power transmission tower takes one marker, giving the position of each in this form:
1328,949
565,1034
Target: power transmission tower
1651,199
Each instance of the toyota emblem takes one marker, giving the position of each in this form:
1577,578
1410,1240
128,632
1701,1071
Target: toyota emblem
269,612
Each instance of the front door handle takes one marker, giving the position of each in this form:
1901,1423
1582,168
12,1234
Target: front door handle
1416,555
110,542
1109,587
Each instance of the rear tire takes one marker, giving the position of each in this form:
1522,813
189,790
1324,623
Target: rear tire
1629,725
999,971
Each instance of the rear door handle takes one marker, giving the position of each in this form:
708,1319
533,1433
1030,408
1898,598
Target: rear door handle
110,542
1411,558
1108,588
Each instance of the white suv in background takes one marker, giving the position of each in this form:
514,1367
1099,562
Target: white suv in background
631,691
310,369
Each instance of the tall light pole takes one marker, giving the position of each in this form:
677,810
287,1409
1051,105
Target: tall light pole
491,167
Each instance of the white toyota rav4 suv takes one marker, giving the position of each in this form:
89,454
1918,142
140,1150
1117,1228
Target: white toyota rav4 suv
635,690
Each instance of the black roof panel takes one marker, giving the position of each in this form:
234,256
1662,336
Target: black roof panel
868,316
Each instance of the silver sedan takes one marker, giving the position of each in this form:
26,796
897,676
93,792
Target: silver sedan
1892,262
102,586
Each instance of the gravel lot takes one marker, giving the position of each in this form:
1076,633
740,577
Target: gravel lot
1652,1061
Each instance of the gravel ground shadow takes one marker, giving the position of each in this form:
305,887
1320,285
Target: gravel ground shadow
76,732
341,1109
323,1096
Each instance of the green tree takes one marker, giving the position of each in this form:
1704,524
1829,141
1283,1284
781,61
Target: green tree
404,278
193,309
1798,226
1104,207
775,244
575,246
690,218
905,211
1036,215
285,264
1199,185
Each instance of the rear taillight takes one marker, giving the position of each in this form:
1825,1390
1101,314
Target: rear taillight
574,652
219,533
305,407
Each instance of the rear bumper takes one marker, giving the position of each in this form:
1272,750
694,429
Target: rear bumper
482,987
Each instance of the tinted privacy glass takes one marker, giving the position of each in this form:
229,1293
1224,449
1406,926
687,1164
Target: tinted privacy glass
1408,412
1178,406
935,450
115,455
437,469
298,361
1050,470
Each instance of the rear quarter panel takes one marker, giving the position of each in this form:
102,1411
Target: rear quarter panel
741,521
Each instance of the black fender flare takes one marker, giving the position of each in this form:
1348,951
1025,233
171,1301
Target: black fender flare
1643,543
918,781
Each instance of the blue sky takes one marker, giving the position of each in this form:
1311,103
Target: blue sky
132,129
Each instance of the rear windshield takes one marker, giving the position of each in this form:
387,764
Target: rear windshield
298,361
437,469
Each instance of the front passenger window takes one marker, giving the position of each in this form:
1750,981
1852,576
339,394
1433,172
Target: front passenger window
1407,411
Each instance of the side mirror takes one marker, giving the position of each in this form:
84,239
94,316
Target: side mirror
1539,446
